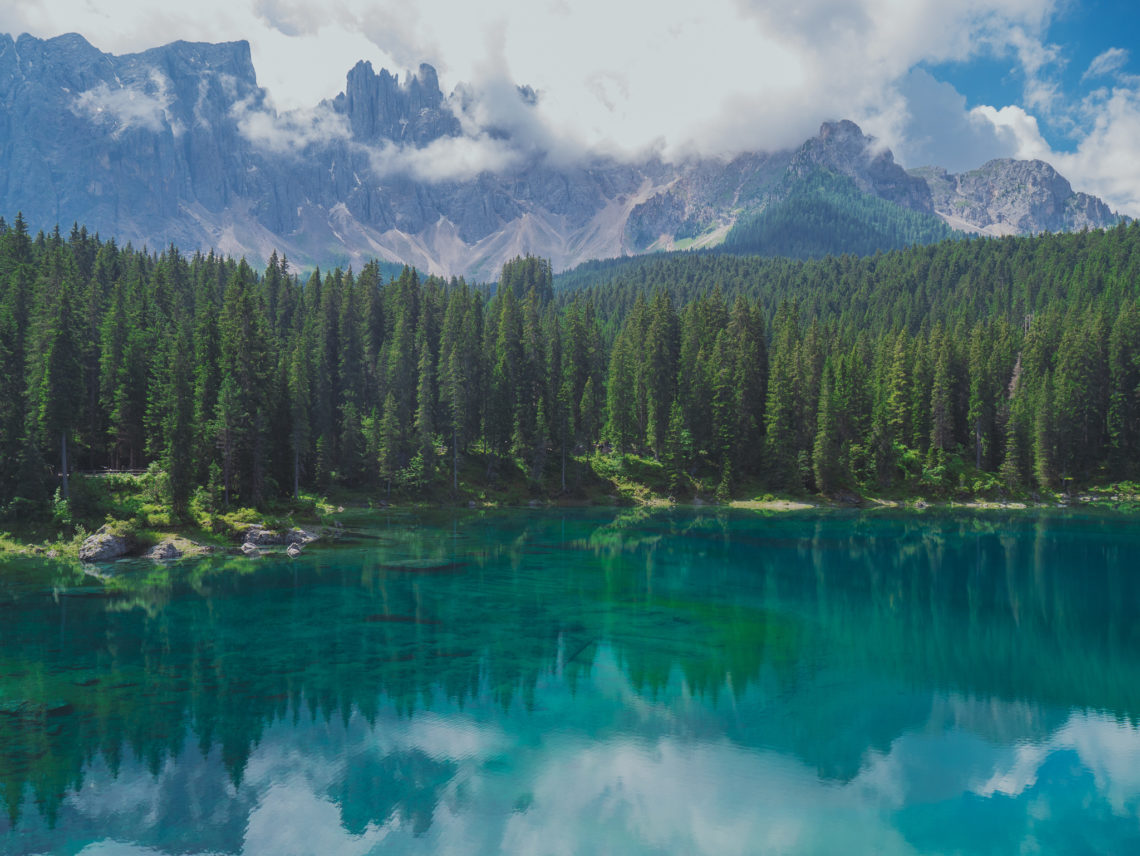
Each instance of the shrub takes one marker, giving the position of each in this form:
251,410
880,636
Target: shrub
61,511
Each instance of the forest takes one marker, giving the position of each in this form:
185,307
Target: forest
1001,367
826,214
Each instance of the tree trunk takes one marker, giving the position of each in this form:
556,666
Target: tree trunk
296,473
63,461
454,460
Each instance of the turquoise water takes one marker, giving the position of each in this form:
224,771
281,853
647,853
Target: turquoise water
587,682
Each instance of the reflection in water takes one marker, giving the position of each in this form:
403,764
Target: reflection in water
682,681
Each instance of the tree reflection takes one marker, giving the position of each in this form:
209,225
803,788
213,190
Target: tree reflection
805,621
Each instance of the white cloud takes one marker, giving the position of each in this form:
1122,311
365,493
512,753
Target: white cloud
1103,163
939,130
1106,64
725,75
290,132
619,78
445,159
1017,128
130,106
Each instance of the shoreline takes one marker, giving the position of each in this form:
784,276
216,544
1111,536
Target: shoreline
195,542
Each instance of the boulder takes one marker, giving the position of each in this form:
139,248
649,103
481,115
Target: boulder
250,549
294,551
104,546
300,537
164,551
259,536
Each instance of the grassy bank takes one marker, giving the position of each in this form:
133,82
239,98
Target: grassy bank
138,506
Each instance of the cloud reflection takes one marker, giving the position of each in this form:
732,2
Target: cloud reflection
484,779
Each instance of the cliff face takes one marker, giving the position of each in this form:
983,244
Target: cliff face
842,148
379,108
180,144
1011,197
122,142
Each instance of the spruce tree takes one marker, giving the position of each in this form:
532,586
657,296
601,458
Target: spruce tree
826,463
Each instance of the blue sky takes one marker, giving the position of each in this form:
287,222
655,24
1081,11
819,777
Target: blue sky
946,82
1081,32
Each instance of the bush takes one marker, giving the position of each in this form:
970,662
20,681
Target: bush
61,511
120,482
156,485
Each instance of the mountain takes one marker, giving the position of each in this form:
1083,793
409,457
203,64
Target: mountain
1011,197
825,213
180,144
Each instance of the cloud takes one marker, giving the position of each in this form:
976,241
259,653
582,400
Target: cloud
290,132
1106,64
724,77
1104,161
445,159
939,130
494,139
1038,62
130,106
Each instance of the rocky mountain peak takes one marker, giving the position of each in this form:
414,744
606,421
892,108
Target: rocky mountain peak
842,148
180,144
195,58
1010,197
67,60
844,136
378,107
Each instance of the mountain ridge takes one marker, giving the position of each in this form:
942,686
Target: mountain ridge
180,144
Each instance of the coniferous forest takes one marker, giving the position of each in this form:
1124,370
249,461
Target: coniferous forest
825,214
997,366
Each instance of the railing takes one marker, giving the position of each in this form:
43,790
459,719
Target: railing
137,471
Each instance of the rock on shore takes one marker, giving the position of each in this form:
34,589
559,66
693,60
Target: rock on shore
259,536
104,546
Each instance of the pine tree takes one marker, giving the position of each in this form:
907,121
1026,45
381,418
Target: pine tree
245,361
425,398
59,375
941,396
1124,395
299,398
621,396
782,406
390,441
662,346
15,307
750,378
826,454
1044,437
178,426
228,430
676,457
1013,465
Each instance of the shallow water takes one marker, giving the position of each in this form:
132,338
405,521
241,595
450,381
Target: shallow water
548,682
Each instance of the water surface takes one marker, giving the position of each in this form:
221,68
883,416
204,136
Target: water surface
549,682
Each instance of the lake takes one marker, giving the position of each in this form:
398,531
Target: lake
587,681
